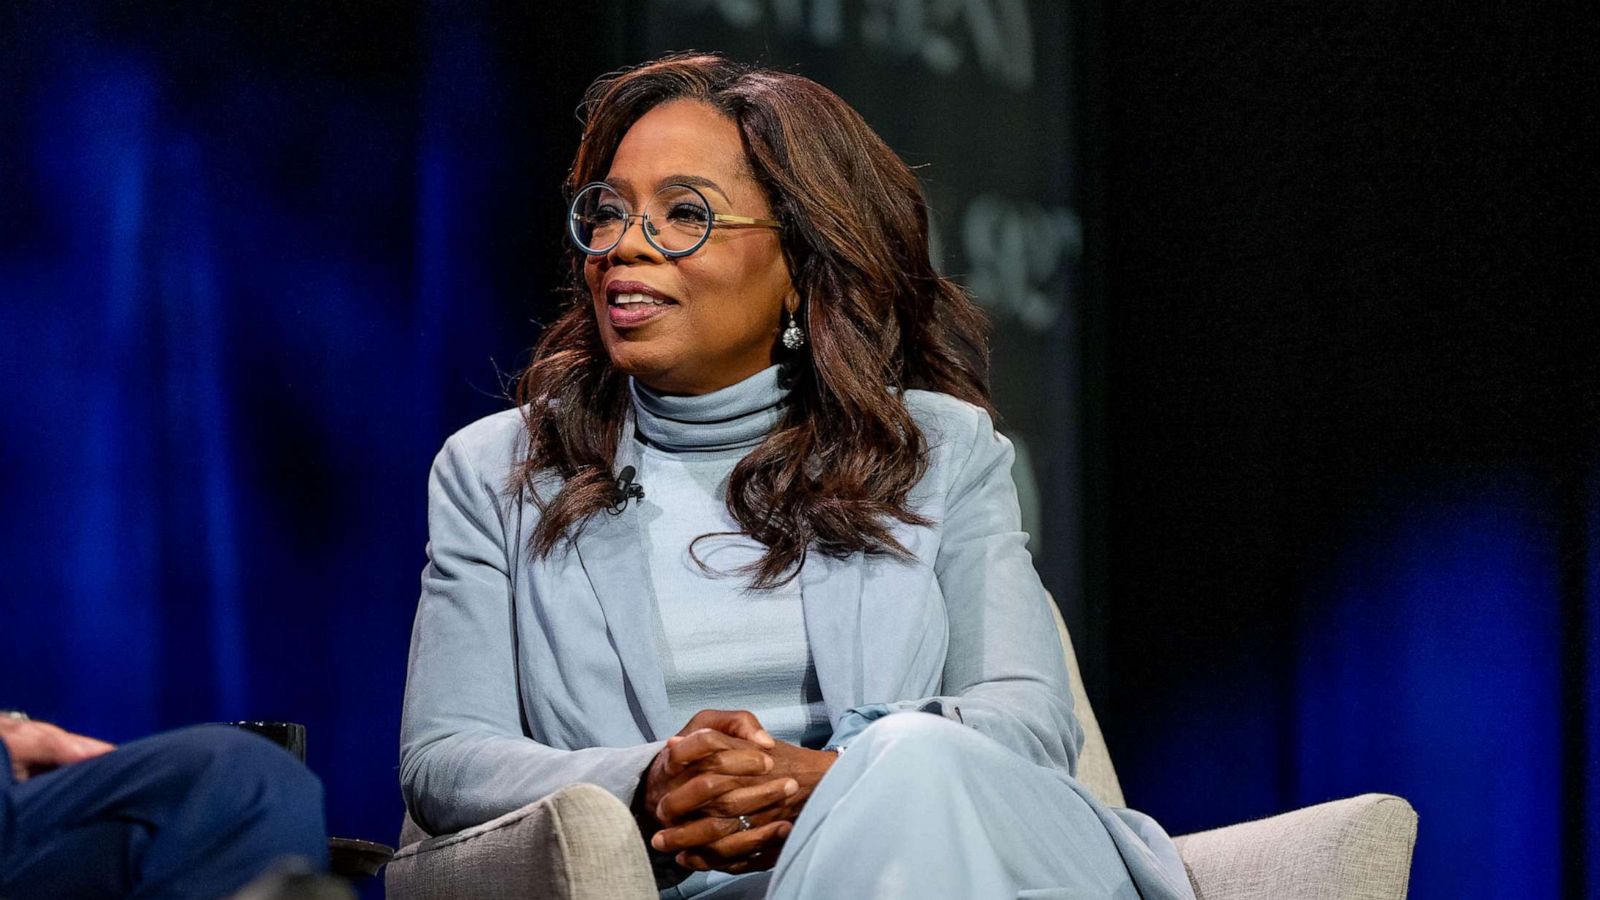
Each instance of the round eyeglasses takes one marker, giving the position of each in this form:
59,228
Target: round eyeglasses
677,221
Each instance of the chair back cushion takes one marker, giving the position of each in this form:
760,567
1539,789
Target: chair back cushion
1094,763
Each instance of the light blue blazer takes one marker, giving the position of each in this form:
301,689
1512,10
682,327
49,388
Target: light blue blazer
504,706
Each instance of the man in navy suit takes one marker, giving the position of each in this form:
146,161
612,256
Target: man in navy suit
198,812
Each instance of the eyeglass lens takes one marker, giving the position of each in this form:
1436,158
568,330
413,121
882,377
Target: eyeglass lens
675,220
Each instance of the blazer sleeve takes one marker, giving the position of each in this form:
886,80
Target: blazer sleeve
465,757
1005,673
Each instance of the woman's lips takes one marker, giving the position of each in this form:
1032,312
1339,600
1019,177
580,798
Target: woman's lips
630,304
632,316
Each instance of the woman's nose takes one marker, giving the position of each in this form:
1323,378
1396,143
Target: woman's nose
634,247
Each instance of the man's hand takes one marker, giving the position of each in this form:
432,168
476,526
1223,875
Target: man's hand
702,812
38,747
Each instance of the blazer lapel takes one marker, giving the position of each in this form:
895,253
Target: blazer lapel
893,608
613,558
830,592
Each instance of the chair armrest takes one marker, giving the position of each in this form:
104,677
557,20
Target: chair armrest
579,843
1353,849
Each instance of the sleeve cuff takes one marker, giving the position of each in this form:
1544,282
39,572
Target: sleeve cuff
856,720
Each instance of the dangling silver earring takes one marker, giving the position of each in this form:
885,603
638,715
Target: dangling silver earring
793,337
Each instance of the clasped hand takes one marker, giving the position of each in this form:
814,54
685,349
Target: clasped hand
721,766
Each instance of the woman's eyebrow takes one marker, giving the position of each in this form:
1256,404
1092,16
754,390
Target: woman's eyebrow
699,181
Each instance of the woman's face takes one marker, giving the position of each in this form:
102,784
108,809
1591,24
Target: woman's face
723,304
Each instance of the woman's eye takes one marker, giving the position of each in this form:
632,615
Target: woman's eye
687,212
605,215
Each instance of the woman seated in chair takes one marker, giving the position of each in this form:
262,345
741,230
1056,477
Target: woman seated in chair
748,553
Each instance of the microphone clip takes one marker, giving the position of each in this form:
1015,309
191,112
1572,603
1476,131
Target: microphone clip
626,489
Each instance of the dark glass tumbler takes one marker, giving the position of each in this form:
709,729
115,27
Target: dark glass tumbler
291,736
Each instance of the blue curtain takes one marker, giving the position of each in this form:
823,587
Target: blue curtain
245,291
1432,665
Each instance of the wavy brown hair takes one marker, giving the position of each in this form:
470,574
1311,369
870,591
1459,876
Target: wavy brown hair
834,475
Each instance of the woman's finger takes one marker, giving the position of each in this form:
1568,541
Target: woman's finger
763,846
695,746
696,792
744,800
725,798
750,767
758,863
742,760
740,723
698,745
741,844
738,762
698,833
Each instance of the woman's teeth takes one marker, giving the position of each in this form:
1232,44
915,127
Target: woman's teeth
637,299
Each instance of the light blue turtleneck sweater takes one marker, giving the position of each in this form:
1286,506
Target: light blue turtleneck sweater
722,645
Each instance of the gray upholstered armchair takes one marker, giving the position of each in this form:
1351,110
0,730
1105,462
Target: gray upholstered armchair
581,843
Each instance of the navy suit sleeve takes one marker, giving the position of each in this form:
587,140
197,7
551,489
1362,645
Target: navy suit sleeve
6,782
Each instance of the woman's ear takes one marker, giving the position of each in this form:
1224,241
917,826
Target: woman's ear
791,301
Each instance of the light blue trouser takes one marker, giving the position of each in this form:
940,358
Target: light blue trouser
921,807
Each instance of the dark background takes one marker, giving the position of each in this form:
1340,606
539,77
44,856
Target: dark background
1344,507
1312,435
